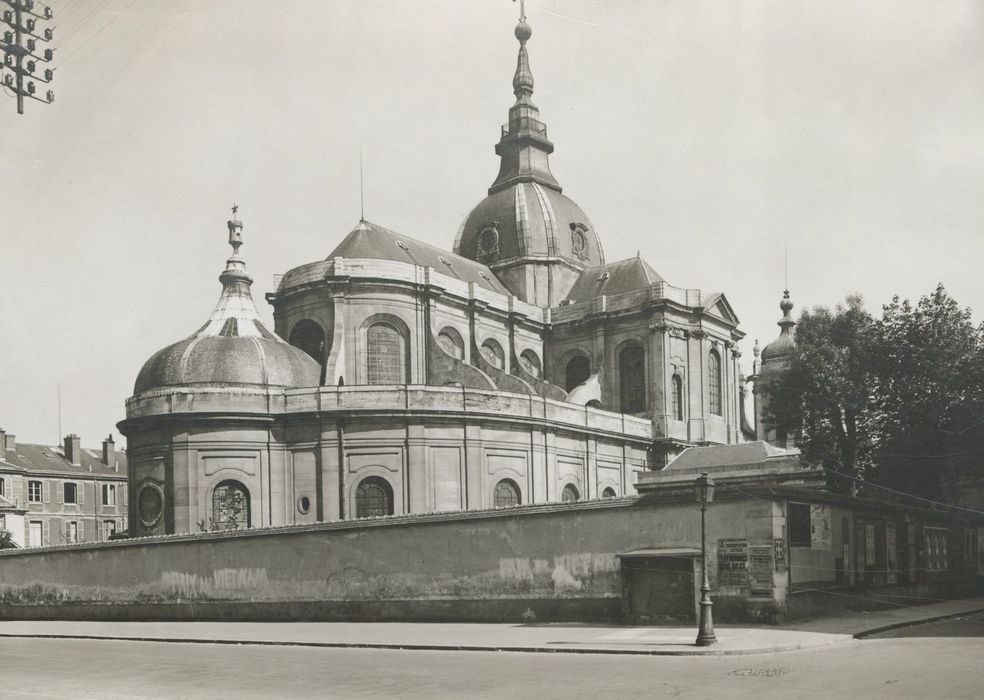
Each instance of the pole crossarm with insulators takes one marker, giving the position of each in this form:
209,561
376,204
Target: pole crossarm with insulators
25,61
704,491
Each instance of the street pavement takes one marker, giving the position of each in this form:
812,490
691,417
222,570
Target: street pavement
541,638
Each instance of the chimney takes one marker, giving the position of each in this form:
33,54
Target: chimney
73,449
109,451
7,443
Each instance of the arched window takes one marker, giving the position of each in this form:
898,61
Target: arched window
609,493
506,494
230,506
714,382
373,496
492,352
451,342
531,363
577,371
307,335
677,397
386,355
632,379
570,494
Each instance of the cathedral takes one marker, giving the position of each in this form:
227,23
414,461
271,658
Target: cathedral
520,368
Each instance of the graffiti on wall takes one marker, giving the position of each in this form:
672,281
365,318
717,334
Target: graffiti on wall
566,573
219,582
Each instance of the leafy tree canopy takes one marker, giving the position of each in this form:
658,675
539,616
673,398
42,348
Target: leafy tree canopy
897,400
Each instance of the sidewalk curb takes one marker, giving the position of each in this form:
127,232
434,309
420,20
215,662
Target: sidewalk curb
705,651
910,623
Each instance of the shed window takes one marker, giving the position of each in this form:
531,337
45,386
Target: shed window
799,525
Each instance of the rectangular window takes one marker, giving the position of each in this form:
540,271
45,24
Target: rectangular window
34,533
72,532
109,494
109,529
799,525
71,493
3,487
935,542
34,492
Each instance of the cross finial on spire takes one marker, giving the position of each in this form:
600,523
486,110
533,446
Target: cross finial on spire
522,9
235,208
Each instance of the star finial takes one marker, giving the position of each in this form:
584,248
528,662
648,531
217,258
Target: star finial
235,208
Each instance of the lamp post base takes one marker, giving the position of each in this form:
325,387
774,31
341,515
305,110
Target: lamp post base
705,628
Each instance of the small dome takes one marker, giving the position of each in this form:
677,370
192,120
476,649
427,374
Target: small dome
233,347
528,220
785,344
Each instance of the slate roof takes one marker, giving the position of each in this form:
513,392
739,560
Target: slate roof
713,457
613,278
44,458
368,240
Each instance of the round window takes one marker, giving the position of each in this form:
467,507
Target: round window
150,505
303,504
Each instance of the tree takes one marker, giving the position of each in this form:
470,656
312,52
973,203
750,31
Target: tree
929,370
7,540
825,396
897,400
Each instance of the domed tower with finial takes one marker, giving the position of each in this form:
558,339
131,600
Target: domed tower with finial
215,386
776,361
535,239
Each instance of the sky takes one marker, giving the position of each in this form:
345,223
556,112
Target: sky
708,136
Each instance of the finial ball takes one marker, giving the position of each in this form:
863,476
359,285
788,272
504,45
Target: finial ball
523,31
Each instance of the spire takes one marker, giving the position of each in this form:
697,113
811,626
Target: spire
523,80
235,313
235,270
523,147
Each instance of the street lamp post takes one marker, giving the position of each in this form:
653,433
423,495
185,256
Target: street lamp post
704,491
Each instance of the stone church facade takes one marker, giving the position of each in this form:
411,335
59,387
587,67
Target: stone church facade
401,378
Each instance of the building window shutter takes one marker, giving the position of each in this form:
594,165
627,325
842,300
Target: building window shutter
80,488
81,537
60,492
45,533
45,492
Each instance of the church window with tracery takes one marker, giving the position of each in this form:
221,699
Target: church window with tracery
632,379
506,494
677,397
714,382
230,506
492,352
386,355
373,497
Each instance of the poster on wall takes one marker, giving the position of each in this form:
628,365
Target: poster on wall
820,537
733,563
891,554
760,567
780,554
980,550
869,544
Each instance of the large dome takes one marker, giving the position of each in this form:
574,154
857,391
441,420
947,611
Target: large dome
528,219
233,347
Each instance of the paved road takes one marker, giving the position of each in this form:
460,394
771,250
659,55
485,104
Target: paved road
965,626
928,667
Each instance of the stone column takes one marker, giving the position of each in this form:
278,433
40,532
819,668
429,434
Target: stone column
696,381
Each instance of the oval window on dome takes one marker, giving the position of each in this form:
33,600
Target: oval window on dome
488,242
150,505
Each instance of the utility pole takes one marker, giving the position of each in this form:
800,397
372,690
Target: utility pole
20,48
